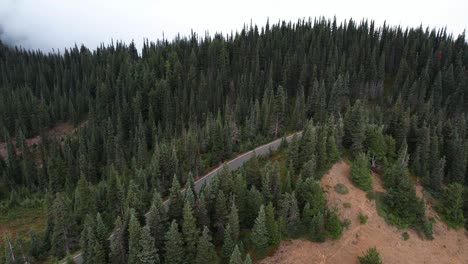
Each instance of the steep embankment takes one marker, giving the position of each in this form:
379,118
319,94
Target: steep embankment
448,246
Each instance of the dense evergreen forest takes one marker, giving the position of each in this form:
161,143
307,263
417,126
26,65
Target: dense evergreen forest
390,99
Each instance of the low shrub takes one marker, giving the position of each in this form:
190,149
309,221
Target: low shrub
341,188
362,218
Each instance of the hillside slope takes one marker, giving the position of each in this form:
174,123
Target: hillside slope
448,246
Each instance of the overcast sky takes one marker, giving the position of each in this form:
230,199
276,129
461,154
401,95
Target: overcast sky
48,24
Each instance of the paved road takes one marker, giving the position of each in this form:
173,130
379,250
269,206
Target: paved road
233,164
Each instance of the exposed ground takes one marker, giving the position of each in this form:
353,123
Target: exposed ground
58,131
448,246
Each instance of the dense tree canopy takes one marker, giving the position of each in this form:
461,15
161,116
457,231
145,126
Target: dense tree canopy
148,122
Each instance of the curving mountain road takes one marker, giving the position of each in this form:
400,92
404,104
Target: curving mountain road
232,165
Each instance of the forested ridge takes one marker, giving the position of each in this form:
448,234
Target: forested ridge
390,98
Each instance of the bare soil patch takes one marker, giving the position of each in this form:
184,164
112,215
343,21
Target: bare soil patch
448,246
58,131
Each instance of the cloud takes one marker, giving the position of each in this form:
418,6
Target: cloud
56,24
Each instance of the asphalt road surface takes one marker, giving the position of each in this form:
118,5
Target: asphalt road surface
233,164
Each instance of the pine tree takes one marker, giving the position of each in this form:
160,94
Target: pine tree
456,159
236,257
148,253
375,143
88,239
299,112
206,253
333,153
101,230
221,211
157,220
174,245
228,243
401,197
201,212
61,233
252,171
334,225
272,225
354,129
83,203
260,236
134,231
248,260
360,172
176,202
99,254
118,252
190,233
317,228
290,216
233,221
437,177
134,199
452,205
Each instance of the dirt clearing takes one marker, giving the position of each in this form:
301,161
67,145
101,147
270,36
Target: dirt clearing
58,131
448,246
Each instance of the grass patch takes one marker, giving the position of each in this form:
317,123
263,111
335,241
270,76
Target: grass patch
19,221
341,188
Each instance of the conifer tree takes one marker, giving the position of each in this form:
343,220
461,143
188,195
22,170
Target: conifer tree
99,254
452,205
221,211
176,202
118,252
233,222
333,153
317,228
174,245
260,236
228,243
236,257
82,199
148,253
201,212
190,233
334,225
134,199
61,233
354,128
157,220
88,239
437,176
360,172
134,231
206,253
248,260
272,225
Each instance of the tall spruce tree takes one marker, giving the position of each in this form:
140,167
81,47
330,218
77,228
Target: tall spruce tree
174,245
260,236
360,172
148,254
206,253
